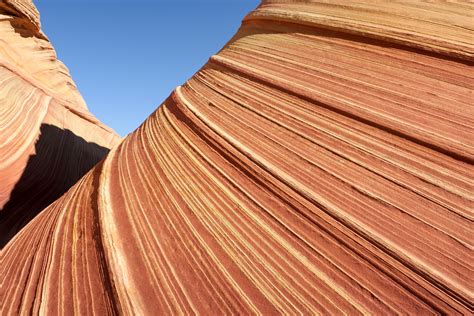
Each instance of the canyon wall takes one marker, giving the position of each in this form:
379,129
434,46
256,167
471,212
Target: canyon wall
48,138
321,162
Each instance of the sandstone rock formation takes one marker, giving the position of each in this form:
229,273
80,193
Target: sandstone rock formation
48,139
321,162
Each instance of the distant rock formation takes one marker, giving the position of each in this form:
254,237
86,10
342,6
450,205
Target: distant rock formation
48,139
321,162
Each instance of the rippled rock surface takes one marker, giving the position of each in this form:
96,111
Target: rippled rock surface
48,138
321,162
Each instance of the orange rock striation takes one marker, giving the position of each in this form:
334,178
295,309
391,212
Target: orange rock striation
320,163
48,139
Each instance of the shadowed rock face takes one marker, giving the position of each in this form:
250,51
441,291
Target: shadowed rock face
61,158
48,139
320,163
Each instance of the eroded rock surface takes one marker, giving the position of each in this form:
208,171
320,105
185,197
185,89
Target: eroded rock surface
320,163
48,138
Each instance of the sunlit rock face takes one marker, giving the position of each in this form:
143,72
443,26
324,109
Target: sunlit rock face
48,139
321,162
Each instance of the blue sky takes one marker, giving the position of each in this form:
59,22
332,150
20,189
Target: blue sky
127,56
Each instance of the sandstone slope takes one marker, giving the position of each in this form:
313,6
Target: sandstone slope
320,163
48,138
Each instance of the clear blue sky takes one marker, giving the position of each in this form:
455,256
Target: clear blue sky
127,56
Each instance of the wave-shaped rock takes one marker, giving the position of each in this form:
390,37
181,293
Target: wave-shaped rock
48,139
321,162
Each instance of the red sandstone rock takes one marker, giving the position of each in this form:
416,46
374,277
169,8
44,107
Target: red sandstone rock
320,163
48,139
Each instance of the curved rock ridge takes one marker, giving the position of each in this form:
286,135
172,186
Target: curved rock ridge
25,51
26,11
321,162
48,139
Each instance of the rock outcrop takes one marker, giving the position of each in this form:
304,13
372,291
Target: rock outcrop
321,162
48,139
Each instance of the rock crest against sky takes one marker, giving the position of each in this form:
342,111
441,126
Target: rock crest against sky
321,162
48,138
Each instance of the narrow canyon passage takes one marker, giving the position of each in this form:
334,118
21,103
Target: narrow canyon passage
320,163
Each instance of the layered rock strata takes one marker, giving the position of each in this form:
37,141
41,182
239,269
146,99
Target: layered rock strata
321,162
48,138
